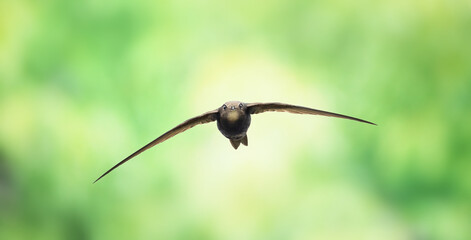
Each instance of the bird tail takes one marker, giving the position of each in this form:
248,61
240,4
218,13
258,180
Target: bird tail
244,140
236,143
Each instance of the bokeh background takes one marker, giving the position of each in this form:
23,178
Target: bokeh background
85,83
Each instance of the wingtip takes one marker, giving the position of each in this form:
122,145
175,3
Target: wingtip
99,178
372,123
364,121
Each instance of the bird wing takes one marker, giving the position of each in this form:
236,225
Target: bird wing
201,119
254,108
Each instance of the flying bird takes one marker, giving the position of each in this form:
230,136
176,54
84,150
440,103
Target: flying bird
233,120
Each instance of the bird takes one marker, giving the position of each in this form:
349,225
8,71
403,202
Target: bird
233,120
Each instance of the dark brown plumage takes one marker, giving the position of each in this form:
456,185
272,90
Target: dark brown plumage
233,120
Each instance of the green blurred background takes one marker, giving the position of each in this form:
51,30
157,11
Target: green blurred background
85,83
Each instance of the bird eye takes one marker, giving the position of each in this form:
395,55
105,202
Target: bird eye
241,105
224,106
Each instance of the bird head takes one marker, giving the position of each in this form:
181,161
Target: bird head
233,110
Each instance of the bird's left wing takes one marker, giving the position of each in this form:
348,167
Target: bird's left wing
204,118
254,108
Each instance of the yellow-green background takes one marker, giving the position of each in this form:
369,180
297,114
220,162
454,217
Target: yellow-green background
85,83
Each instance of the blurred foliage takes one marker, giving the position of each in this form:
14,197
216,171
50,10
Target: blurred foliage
85,83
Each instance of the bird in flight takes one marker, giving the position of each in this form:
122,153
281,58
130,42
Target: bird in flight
233,120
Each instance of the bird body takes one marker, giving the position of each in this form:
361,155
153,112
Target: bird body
233,120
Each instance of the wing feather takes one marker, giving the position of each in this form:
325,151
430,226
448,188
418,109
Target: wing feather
201,119
255,108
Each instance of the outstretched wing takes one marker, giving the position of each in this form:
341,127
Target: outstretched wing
204,118
254,108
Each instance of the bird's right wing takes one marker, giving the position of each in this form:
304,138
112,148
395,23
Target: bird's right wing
254,108
204,118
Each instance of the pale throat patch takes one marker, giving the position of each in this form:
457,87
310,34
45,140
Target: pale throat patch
233,116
